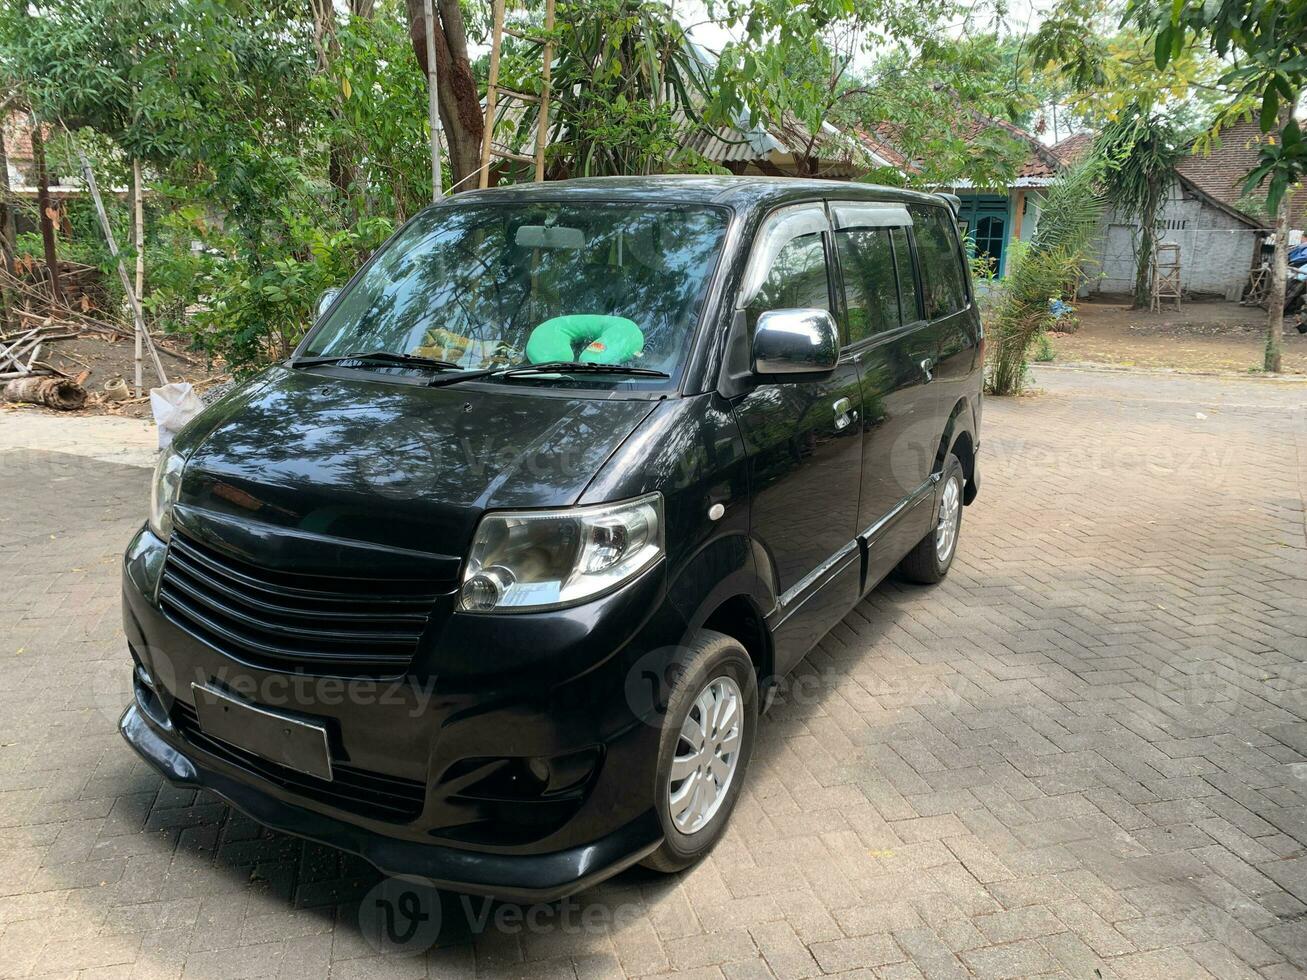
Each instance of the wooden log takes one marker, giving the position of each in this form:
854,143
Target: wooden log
59,393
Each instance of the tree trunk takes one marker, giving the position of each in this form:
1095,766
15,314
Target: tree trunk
8,234
43,204
460,102
1144,263
1279,275
340,166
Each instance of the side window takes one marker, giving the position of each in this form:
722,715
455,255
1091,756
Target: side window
870,290
941,261
797,279
908,297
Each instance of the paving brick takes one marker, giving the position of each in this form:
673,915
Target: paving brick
1084,754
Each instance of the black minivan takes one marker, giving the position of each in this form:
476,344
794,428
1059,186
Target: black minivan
489,581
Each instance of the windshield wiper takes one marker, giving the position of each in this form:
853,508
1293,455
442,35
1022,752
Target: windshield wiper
581,367
380,357
550,367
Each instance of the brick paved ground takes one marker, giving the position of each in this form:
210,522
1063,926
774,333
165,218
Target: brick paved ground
1084,755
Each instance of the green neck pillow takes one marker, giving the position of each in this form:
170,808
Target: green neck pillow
607,339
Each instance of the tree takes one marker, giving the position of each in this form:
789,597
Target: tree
460,101
1139,151
627,86
1260,48
1265,44
794,61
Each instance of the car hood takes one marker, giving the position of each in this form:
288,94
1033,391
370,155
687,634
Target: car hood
316,472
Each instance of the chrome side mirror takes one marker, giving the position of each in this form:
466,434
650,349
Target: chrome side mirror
324,301
795,342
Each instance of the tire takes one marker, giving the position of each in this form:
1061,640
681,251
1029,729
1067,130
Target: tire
924,563
714,669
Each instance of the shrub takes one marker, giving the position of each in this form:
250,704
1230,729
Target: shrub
1041,269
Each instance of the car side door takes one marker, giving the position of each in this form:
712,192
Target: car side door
896,348
804,443
950,308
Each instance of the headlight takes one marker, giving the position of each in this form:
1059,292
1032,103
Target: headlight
163,492
543,559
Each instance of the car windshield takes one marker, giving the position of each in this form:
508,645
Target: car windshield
500,286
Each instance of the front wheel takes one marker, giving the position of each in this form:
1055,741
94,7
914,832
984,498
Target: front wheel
704,750
929,561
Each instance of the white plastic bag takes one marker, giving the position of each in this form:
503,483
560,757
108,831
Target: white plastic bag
173,406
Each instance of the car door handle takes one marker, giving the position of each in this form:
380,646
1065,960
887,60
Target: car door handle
926,366
845,415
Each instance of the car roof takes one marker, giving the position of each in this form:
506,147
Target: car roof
741,192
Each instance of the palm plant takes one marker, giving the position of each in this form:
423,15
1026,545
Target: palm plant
1139,153
1048,267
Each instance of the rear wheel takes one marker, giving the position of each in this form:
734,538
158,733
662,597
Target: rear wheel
929,561
707,739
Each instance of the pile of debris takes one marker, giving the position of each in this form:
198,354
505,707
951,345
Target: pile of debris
29,379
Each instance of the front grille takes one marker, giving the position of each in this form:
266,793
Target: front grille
370,794
285,620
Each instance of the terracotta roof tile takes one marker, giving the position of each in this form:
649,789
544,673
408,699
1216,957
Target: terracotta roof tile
1040,161
1073,148
1221,173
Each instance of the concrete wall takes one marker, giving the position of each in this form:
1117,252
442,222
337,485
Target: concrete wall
1030,219
1216,250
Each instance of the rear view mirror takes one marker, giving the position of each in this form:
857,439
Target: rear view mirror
804,341
549,236
324,301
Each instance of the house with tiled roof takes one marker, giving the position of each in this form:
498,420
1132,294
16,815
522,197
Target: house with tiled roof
995,211
1220,175
1220,230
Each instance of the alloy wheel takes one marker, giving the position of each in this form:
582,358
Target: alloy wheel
946,531
707,755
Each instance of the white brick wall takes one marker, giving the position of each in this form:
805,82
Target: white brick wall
1216,250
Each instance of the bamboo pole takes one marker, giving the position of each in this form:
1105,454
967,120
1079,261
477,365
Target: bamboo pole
492,90
132,300
8,232
542,126
433,108
138,209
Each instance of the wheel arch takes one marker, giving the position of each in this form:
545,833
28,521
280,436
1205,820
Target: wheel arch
959,439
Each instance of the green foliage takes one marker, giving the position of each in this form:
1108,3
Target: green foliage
228,106
626,86
1263,45
1044,352
1046,268
380,121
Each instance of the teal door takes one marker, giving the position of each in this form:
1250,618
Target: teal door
991,236
985,217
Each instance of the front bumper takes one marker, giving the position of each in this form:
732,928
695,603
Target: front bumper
533,878
564,697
